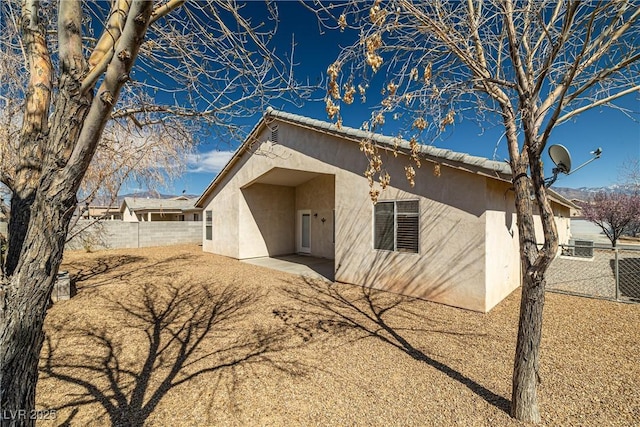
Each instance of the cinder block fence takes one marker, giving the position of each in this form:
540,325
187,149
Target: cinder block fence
118,234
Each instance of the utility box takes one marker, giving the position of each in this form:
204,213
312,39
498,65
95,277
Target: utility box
583,248
62,287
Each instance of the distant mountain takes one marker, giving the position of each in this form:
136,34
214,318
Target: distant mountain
585,193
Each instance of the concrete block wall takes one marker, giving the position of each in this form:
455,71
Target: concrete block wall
119,234
169,233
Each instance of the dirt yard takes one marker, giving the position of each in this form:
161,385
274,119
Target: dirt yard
176,337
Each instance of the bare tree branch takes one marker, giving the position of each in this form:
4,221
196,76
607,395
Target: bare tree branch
603,101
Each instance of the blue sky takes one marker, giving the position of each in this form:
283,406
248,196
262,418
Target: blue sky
615,133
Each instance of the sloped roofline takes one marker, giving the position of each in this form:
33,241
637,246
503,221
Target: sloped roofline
490,168
173,206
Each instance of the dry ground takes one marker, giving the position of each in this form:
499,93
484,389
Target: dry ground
176,337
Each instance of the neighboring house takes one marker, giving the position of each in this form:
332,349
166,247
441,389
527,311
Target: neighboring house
110,213
296,185
577,211
136,209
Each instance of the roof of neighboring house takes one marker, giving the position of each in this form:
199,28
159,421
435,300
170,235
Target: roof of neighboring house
484,166
176,204
103,210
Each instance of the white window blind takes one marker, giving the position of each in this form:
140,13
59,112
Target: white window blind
209,225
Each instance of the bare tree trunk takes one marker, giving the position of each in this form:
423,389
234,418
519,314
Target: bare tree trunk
37,236
526,374
524,400
23,306
41,222
17,228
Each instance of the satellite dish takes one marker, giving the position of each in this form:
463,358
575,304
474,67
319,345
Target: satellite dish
561,157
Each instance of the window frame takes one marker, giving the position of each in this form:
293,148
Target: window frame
208,225
395,226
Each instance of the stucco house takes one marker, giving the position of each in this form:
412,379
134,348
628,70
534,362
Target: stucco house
296,185
102,212
141,209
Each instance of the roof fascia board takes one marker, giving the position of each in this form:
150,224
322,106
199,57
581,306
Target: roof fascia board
232,161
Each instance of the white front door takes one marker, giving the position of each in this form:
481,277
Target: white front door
304,231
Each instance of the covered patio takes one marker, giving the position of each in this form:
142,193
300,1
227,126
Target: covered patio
307,266
287,211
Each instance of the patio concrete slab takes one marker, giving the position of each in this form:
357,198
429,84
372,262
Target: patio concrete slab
308,266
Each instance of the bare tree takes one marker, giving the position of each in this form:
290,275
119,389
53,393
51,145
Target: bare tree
630,179
201,61
629,175
526,66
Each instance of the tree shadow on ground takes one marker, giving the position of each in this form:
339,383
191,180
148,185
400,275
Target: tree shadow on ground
157,338
322,307
85,271
103,270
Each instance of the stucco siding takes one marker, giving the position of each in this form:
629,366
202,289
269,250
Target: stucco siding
224,223
449,267
266,221
503,247
563,222
318,196
502,256
467,243
128,215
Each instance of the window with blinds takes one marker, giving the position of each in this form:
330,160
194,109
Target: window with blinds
407,226
396,226
384,226
209,225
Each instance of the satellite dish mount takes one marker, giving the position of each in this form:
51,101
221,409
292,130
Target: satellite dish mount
562,159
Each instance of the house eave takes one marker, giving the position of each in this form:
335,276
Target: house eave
473,164
232,161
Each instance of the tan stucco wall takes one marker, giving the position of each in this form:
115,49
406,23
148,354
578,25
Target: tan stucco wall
468,254
503,251
450,267
128,215
224,221
562,215
317,196
266,217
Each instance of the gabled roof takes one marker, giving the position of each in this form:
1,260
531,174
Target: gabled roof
178,204
491,168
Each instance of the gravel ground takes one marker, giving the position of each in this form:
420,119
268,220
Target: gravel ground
176,337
